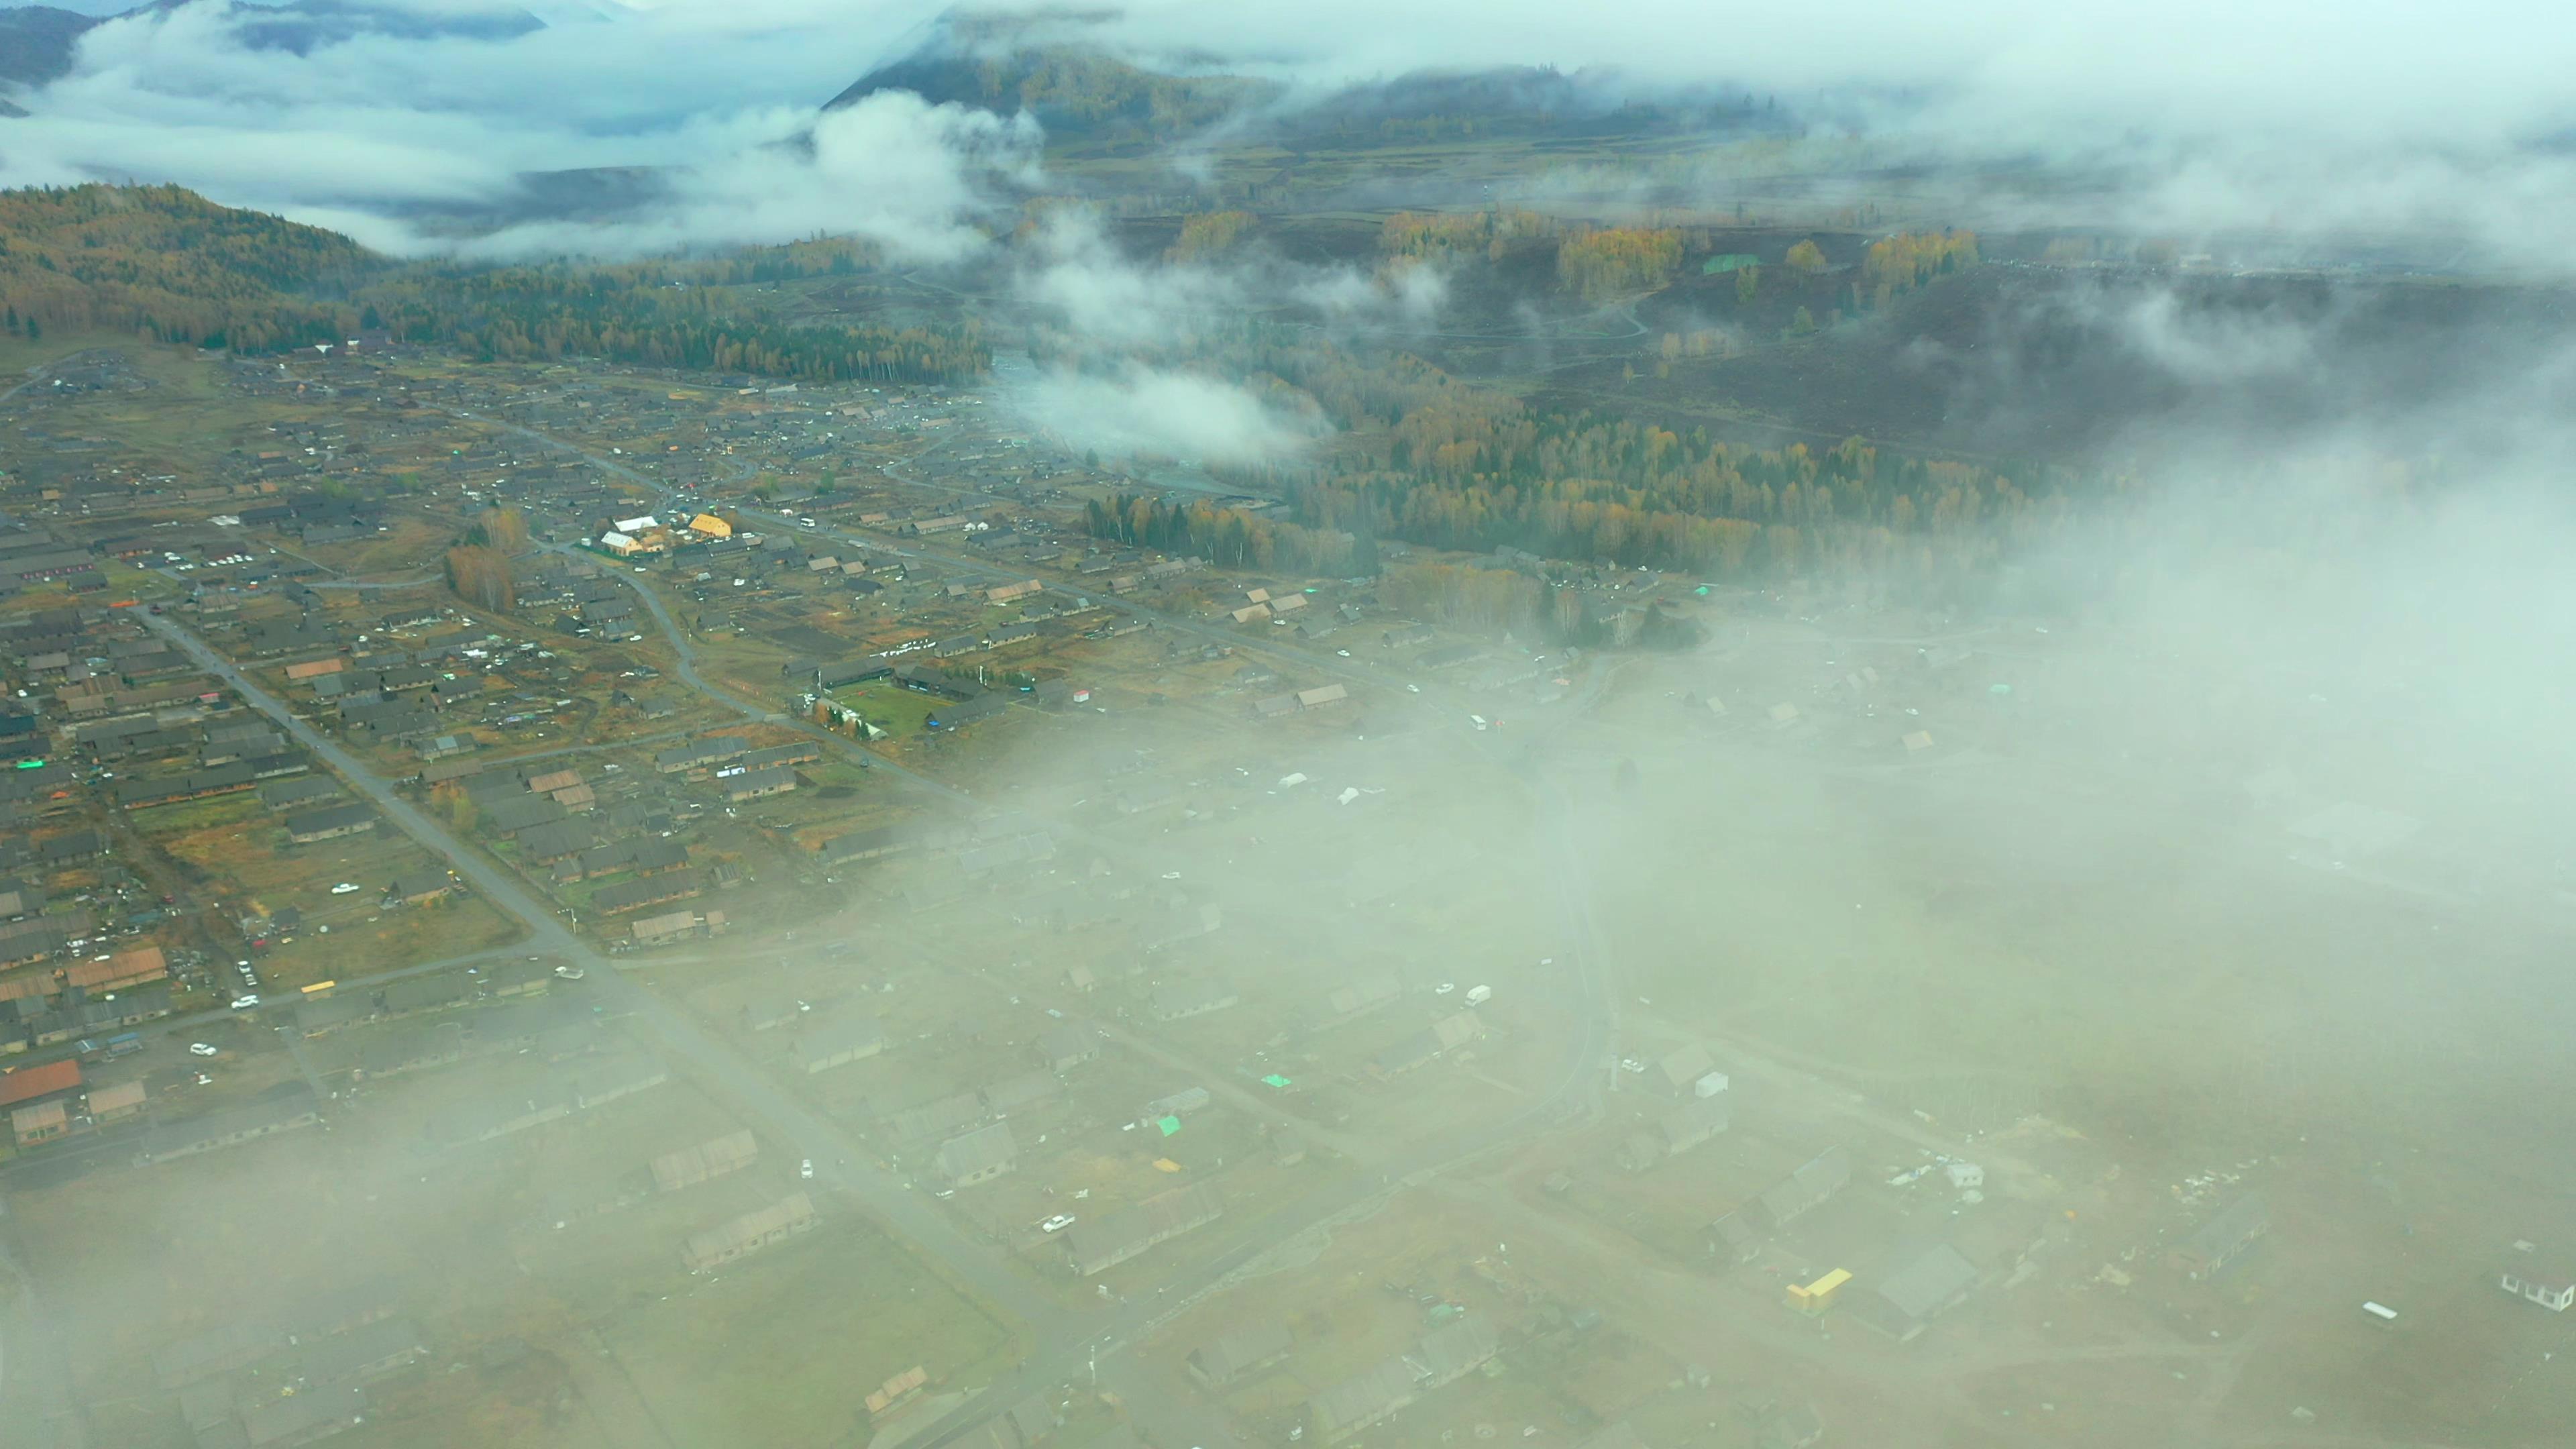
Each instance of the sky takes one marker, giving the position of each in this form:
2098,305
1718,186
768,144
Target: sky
2294,113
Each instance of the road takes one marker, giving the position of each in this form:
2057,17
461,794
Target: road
1073,1345
842,1164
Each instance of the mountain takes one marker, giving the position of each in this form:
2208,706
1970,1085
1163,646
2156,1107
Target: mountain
1011,63
1046,65
36,42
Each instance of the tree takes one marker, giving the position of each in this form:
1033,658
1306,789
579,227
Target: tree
1748,284
1806,256
481,576
1803,323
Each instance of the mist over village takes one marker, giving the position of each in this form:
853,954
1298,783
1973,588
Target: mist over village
799,725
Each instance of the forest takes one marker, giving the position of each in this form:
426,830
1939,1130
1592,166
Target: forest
634,315
164,263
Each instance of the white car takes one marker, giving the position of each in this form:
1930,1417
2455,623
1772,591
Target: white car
805,1168
245,1003
1056,1224
1444,988
1631,1064
569,973
200,1049
347,888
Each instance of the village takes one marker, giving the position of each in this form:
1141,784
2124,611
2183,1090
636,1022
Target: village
831,897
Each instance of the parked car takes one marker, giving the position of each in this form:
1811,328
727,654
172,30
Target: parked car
245,1001
1056,1224
201,1049
805,1168
346,888
569,973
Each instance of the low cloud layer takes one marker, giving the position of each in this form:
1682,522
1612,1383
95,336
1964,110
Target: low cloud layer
1144,410
2206,117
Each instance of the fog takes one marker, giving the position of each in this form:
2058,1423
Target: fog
2447,125
2174,819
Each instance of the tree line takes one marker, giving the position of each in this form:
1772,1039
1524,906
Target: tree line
522,314
164,263
1230,537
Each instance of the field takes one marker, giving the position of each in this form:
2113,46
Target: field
236,848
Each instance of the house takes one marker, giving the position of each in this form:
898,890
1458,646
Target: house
331,824
1922,1287
713,750
1240,1353
28,1086
2554,1294
945,1117
1062,1048
40,1122
1677,1073
1371,1396
1095,1245
706,1161
1181,1000
837,1043
1451,1351
288,1420
420,888
972,710
755,784
1366,994
117,1102
361,1353
1368,1397
1180,1103
748,1233
978,1156
556,840
283,795
2224,1238
654,930
1809,1187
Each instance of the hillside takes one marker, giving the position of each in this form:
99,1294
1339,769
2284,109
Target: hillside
36,42
1072,89
168,264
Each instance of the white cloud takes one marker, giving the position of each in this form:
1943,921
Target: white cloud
1146,410
2208,115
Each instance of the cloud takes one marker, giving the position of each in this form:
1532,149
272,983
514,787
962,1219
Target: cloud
893,168
2196,117
431,113
1141,409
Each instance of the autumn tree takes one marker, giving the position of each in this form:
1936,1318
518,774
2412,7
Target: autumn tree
1908,260
503,529
1806,256
480,575
1601,265
1208,234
